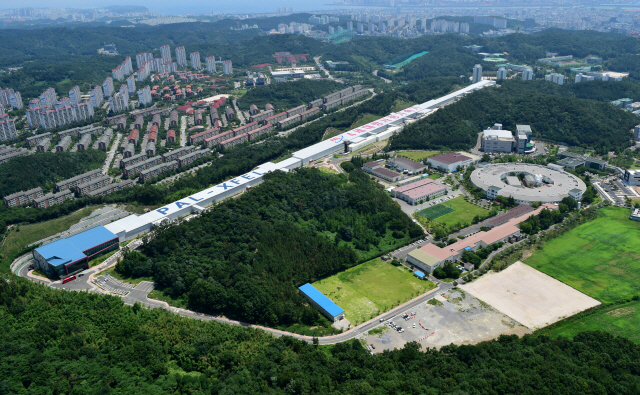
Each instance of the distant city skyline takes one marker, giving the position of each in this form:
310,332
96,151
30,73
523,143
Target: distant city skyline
192,7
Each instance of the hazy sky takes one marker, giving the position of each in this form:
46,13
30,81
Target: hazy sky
180,7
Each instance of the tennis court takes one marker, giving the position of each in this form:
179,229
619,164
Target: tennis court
436,211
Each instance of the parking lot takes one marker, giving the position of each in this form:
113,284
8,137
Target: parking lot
454,317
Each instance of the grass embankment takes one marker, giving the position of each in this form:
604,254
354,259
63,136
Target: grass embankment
601,259
417,156
18,240
368,289
365,119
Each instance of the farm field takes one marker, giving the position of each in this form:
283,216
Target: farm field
463,211
600,258
370,288
620,320
418,156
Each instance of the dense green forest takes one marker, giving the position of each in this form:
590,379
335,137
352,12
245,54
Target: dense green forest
246,257
554,113
84,343
45,169
286,96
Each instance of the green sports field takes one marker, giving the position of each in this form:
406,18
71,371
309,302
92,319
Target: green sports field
621,320
462,211
370,288
600,258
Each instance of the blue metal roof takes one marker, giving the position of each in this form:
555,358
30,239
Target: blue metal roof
60,252
419,273
321,300
91,238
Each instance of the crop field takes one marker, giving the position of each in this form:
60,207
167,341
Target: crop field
620,320
463,211
600,258
371,288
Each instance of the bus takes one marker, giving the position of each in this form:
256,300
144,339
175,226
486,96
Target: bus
70,278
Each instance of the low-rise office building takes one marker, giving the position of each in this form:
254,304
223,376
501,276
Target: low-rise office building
632,177
497,141
401,164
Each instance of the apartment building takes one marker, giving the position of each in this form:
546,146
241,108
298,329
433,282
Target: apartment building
211,64
92,185
192,157
23,197
79,179
155,171
181,57
177,153
51,199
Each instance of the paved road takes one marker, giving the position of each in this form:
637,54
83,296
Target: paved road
183,131
321,67
111,154
375,72
238,113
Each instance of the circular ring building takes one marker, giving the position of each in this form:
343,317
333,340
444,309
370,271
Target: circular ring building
537,183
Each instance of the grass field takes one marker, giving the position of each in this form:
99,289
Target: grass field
366,118
28,234
600,258
401,105
621,320
370,288
417,156
327,169
464,211
435,176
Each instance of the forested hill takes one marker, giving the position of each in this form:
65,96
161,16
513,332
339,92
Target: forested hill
286,96
557,117
246,257
45,169
85,343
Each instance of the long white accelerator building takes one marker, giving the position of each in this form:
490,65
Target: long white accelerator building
135,225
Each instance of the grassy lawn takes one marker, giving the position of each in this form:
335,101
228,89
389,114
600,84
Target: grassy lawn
435,176
417,156
620,320
28,234
327,169
366,118
370,288
600,258
464,211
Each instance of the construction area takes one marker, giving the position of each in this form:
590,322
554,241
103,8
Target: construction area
454,316
529,296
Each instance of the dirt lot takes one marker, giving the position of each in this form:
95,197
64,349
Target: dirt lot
529,296
457,318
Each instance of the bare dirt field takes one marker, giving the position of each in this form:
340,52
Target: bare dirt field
457,317
529,296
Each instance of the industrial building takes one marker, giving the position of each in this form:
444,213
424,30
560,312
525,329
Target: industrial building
326,306
416,192
377,170
497,140
65,257
556,185
450,161
523,143
403,164
134,225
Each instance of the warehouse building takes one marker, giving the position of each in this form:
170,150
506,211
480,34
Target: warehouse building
416,192
326,306
411,166
65,257
450,161
377,170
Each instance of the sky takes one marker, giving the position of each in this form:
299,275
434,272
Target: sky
174,7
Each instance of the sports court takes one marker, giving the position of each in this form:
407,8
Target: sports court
529,296
436,211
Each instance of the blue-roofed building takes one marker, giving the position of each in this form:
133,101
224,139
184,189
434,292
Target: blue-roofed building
65,257
326,306
419,274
